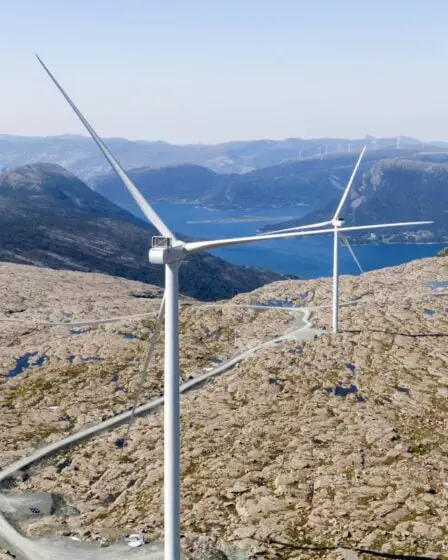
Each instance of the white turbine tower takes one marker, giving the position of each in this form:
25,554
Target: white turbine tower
337,222
169,251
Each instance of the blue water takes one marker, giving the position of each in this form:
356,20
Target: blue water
307,258
275,303
24,362
127,336
77,331
438,285
341,391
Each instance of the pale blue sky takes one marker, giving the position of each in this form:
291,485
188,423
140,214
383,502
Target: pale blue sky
217,70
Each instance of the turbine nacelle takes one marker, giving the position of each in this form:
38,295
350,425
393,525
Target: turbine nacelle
164,251
337,222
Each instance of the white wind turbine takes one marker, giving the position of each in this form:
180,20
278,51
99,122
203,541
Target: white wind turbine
337,222
169,251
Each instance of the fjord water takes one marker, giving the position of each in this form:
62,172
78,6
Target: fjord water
307,258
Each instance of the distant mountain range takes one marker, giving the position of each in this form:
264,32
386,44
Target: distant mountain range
393,190
79,154
48,217
313,181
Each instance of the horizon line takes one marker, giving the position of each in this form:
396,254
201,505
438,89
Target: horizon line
266,139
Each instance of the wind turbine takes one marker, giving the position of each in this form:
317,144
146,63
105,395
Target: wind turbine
169,251
336,222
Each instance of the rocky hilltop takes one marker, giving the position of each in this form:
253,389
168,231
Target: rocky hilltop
48,217
393,190
316,445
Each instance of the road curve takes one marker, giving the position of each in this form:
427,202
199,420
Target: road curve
28,549
87,433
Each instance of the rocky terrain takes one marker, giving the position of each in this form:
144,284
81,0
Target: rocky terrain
333,448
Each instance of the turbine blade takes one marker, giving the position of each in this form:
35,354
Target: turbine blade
379,226
145,368
215,244
349,184
346,242
142,203
205,245
300,228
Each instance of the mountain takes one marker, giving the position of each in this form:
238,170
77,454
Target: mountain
177,183
80,155
394,190
312,181
48,217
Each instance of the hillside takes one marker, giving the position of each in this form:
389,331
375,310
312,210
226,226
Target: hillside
333,446
394,190
312,181
48,217
79,155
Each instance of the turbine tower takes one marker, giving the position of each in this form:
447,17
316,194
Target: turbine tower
337,222
168,251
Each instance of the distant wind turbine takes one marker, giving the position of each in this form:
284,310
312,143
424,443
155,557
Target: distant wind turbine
168,251
337,222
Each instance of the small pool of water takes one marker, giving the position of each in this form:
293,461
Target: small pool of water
341,391
275,303
25,362
119,443
438,285
77,331
127,336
